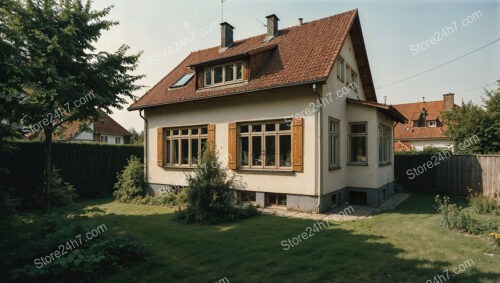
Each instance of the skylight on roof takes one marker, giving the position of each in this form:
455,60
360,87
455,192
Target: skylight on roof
183,81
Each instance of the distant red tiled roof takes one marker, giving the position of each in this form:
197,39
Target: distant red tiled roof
402,146
105,125
413,111
302,54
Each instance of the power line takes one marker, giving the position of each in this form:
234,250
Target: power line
469,90
439,66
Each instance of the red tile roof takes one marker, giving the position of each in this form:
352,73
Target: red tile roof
413,111
302,54
402,146
105,125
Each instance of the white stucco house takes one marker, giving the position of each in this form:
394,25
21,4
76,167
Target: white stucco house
426,126
103,130
293,112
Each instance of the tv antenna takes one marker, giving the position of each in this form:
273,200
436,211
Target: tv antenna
222,10
261,23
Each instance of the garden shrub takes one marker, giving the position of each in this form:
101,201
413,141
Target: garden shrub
483,205
210,194
455,217
93,258
61,193
131,183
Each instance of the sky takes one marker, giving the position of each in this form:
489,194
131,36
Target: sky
397,36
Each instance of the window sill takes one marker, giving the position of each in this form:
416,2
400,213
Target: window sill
265,171
183,167
384,164
333,168
357,164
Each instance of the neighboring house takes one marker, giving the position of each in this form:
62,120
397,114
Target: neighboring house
240,98
104,130
425,127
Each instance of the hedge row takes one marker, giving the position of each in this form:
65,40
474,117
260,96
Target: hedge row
91,168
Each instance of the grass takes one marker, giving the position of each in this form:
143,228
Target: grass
402,245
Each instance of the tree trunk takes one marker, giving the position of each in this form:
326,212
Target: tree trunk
47,168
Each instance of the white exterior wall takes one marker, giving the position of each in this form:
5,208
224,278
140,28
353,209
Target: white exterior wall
112,139
86,136
386,172
275,104
440,143
279,104
371,176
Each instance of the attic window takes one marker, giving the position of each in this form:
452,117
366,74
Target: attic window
223,74
183,81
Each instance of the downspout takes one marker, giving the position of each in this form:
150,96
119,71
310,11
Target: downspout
145,145
319,187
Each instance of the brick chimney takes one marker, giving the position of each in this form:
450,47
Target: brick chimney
226,35
272,26
448,101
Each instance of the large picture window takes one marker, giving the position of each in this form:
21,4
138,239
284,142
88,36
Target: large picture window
265,145
223,74
184,146
333,143
384,144
357,143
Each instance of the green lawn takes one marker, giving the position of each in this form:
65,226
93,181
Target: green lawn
402,245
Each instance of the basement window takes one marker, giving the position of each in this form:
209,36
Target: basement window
183,80
273,199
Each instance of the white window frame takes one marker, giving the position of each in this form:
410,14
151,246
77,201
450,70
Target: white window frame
118,140
104,139
432,123
341,69
384,144
333,143
354,79
351,135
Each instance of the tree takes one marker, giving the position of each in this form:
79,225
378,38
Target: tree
11,75
475,129
136,138
65,78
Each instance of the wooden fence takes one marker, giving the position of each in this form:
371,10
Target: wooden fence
448,174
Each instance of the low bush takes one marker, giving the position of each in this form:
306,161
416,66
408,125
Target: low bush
131,183
458,218
170,199
92,258
210,195
483,205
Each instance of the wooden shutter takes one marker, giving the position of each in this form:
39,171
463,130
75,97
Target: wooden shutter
297,139
159,146
232,146
211,137
199,79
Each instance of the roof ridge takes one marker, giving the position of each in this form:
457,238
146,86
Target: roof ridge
283,29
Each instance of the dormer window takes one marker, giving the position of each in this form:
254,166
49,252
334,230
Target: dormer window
431,123
223,74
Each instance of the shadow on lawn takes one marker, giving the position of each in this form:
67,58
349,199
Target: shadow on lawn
251,251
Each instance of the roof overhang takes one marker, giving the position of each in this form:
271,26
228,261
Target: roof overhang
225,59
387,109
